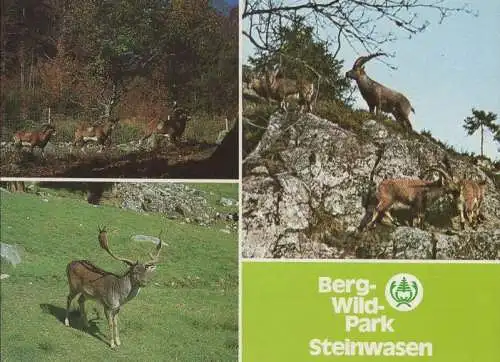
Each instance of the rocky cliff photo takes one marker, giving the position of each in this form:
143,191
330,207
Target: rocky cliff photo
309,184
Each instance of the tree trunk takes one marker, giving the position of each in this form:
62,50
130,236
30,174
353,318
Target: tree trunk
482,136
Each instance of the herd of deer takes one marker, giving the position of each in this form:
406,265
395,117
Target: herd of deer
88,281
415,193
173,128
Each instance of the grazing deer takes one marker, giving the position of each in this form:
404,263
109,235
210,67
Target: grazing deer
87,281
101,134
34,139
379,97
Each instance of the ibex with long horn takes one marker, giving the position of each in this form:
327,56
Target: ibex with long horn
87,281
379,97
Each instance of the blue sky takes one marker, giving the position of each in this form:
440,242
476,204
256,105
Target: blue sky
445,72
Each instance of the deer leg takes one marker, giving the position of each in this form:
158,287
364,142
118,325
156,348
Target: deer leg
389,216
380,209
470,217
115,325
110,317
71,296
462,217
81,303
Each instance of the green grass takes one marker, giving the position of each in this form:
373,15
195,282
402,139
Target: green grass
188,312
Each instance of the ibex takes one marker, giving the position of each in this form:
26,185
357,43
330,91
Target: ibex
416,193
173,127
101,134
87,281
272,86
34,139
379,97
469,197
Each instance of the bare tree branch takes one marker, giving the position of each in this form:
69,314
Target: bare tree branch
355,22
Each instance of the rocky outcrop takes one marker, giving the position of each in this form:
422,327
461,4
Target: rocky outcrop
305,183
175,201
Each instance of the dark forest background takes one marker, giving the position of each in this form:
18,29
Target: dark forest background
88,59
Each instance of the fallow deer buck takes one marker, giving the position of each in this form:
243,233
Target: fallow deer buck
88,281
34,139
378,97
101,134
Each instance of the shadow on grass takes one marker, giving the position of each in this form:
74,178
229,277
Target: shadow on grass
94,190
75,320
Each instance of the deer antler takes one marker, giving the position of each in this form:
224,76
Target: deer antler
103,241
155,258
362,60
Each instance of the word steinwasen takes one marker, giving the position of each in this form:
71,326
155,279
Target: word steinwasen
353,304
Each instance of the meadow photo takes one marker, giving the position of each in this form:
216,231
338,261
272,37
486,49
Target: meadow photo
366,132
150,271
120,89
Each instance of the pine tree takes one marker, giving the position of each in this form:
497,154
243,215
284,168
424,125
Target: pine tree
481,120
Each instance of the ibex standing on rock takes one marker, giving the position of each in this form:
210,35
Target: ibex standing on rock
101,134
87,281
379,97
469,197
34,139
416,193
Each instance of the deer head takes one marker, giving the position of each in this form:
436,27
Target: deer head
139,272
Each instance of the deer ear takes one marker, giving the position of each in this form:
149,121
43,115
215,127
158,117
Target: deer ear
151,267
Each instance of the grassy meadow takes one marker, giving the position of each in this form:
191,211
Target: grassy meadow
189,312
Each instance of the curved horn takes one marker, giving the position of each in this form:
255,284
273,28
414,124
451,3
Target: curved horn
103,241
362,60
441,171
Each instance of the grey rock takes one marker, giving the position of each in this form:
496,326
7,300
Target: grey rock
303,188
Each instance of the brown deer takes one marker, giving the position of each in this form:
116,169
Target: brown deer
101,134
87,281
34,139
173,127
379,97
